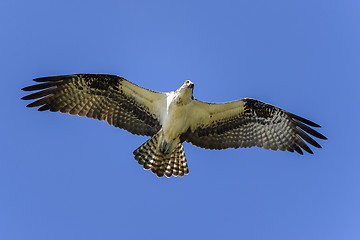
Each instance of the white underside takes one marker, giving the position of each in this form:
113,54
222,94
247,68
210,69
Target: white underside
174,119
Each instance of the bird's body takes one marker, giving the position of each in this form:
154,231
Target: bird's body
175,117
172,118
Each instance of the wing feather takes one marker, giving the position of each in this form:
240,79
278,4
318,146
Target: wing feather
104,97
248,123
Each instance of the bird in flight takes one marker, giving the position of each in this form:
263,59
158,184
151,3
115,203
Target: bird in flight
173,117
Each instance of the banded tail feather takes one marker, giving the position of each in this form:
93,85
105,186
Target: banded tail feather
160,164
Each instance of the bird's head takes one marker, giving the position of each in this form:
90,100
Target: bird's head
187,87
188,84
186,90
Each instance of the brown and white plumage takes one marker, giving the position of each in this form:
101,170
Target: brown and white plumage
247,123
171,164
172,118
104,97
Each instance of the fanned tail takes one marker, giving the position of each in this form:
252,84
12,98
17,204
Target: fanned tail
160,164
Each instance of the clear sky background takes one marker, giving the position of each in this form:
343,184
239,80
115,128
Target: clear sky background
66,177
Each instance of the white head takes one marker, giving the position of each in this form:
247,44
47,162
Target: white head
187,86
186,90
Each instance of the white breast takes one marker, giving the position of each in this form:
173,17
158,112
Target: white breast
175,117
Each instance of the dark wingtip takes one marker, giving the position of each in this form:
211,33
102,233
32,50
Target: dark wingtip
42,79
298,150
306,121
41,86
310,130
53,78
29,105
29,88
321,136
44,108
29,97
313,124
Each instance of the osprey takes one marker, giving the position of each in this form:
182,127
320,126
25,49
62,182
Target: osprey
172,118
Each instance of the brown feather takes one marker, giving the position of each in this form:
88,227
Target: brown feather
310,130
308,122
41,86
307,138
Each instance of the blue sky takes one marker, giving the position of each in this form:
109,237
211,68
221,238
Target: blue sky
66,177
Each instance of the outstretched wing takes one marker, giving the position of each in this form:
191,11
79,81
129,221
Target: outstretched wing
105,97
247,123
